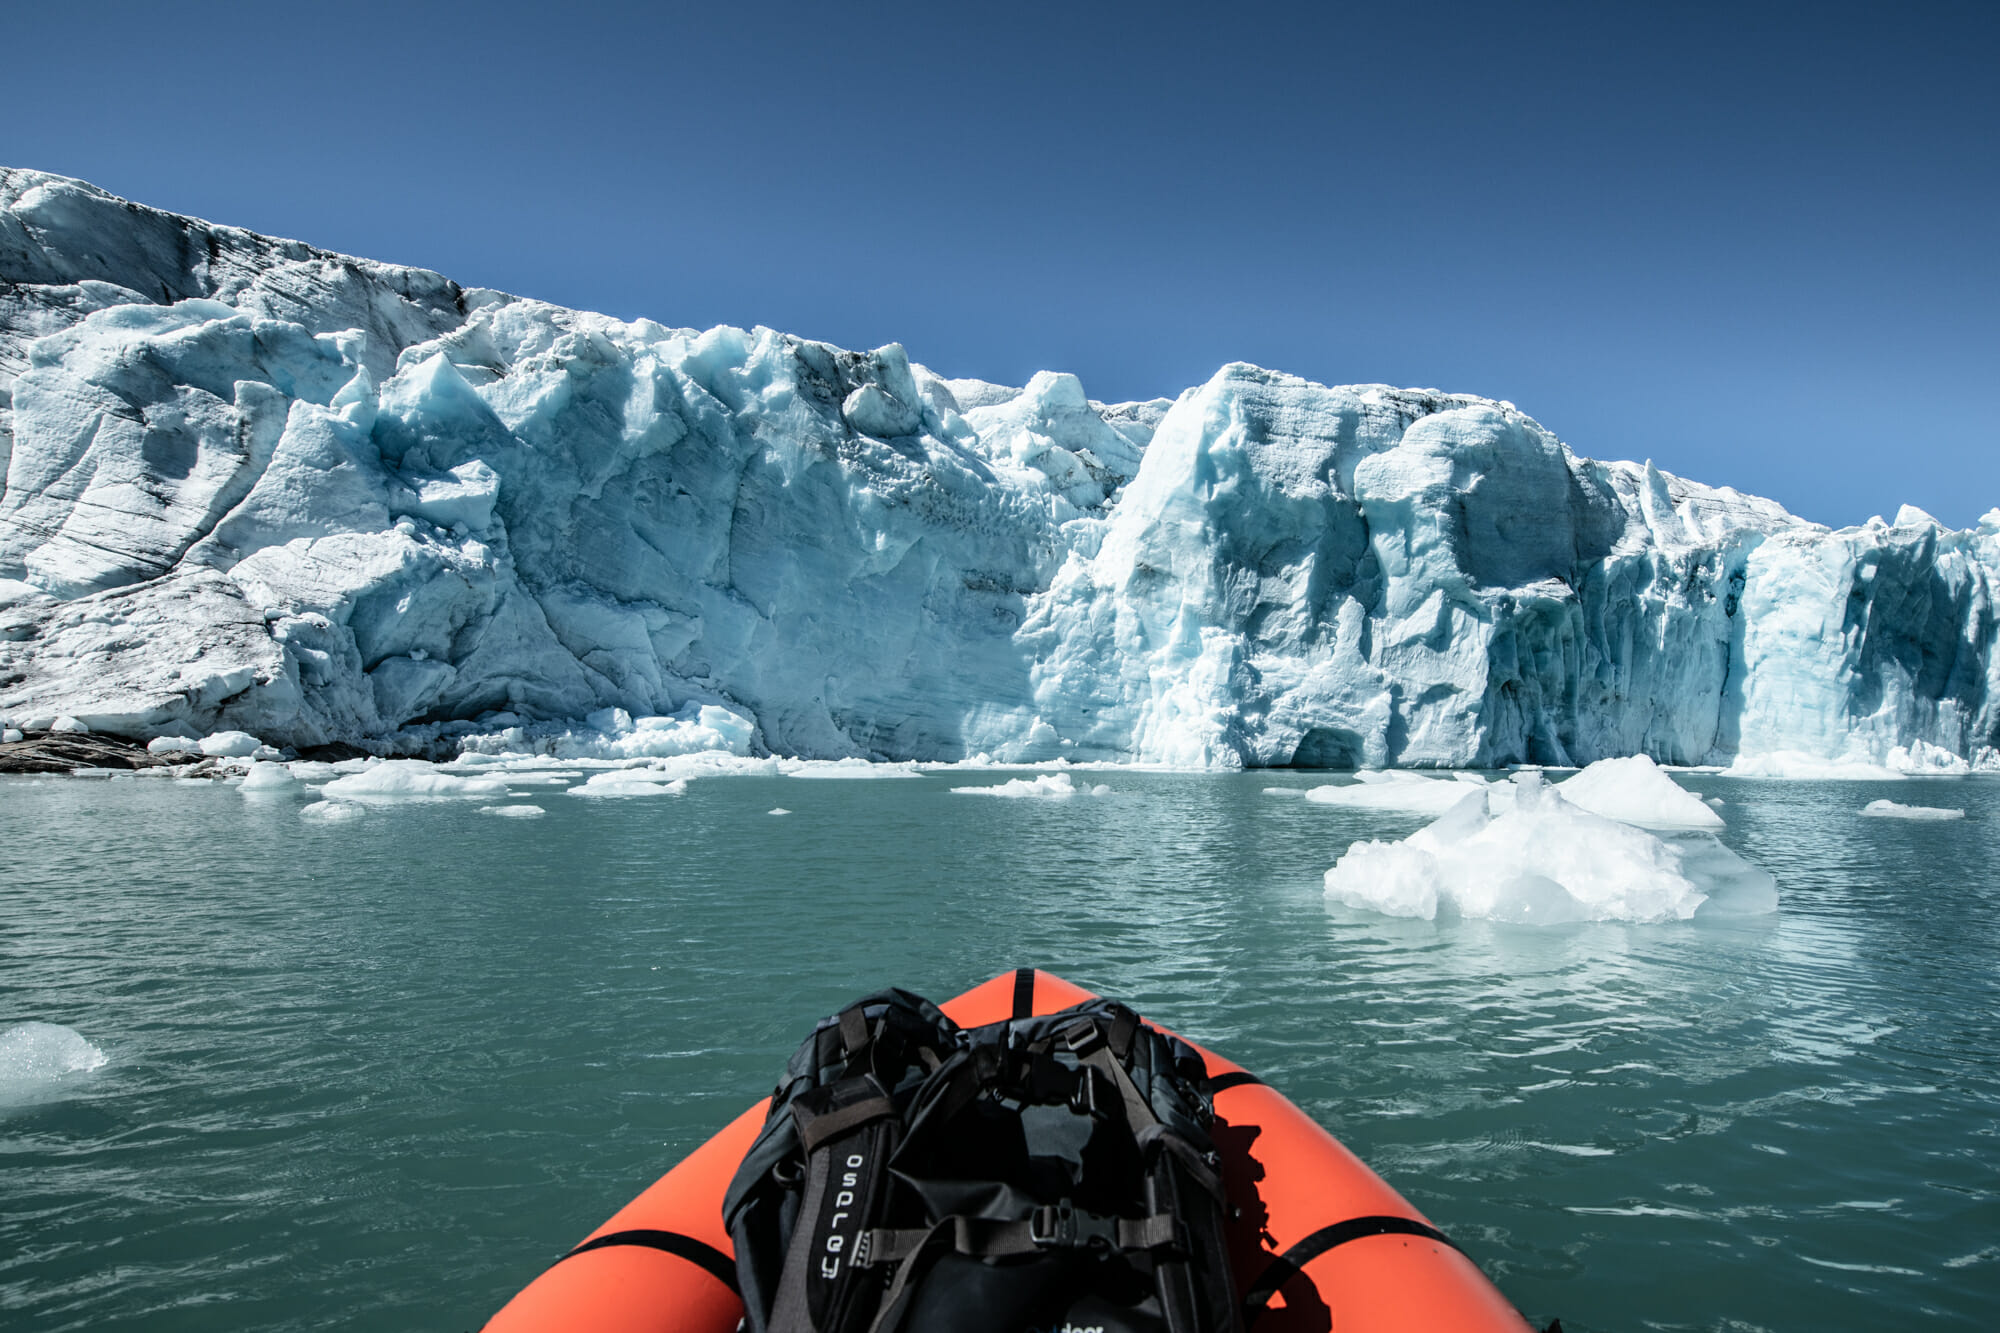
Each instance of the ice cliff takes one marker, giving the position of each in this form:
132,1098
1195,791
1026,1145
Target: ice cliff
254,485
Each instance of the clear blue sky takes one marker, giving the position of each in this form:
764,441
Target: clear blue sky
1756,243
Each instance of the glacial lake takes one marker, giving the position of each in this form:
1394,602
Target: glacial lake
376,1074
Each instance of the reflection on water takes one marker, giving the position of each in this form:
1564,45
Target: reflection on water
392,1065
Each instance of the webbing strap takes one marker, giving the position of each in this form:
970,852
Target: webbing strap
817,1129
853,1031
1054,1227
1293,1261
1024,992
706,1257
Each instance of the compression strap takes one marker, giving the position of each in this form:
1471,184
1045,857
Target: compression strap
1290,1264
703,1256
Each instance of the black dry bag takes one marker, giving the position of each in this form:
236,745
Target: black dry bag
1049,1173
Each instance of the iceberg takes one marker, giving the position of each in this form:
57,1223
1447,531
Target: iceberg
255,487
1535,858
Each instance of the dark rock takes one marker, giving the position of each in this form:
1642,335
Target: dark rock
61,751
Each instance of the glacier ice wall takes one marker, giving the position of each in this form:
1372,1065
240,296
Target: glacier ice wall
250,484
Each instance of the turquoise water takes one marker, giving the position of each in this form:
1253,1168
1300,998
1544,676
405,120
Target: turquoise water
376,1074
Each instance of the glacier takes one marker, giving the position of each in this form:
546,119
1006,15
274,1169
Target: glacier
253,486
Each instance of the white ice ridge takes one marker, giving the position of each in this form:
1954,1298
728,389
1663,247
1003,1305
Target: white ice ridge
1522,853
254,487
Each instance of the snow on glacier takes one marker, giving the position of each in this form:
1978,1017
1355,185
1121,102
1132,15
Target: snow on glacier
251,486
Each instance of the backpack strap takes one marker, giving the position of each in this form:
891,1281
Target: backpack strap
847,1131
1054,1226
1057,1226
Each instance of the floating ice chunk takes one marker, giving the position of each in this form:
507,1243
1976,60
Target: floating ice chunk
266,778
632,782
1049,786
394,779
231,745
332,810
311,770
1542,860
778,810
37,1059
513,811
1891,810
172,745
1400,791
1635,791
1809,768
845,768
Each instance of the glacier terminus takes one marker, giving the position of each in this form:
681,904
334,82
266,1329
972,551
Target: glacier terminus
255,486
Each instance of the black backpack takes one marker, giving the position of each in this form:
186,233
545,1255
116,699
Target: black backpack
1049,1173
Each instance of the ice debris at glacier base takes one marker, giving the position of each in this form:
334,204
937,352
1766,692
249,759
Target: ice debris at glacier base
254,486
1521,853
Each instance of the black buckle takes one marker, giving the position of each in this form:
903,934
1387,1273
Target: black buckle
1082,1037
1060,1225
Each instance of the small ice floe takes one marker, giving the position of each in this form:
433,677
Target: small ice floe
9,735
1891,810
1400,791
631,782
1636,791
1048,787
778,810
859,769
1539,859
513,811
173,745
267,779
37,1060
69,724
399,779
332,811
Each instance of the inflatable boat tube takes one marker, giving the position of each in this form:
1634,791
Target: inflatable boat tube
1317,1240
